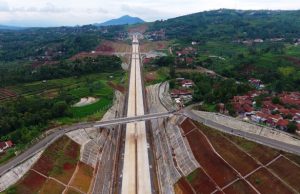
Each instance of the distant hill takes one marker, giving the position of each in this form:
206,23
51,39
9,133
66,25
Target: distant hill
232,24
3,27
121,21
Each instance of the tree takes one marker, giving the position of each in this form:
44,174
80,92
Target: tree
59,109
276,100
230,109
172,84
172,72
292,127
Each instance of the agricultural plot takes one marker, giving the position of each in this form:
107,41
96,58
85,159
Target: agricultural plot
52,187
240,187
200,182
239,160
5,94
261,153
287,171
32,182
265,182
53,170
94,84
280,175
216,168
72,191
83,177
183,187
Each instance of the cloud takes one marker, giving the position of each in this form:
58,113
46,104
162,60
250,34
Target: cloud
73,12
143,11
4,6
49,7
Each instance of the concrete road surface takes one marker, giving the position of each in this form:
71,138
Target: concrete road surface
136,172
257,138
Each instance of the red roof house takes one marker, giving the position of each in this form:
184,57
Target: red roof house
269,105
5,145
282,124
284,111
187,83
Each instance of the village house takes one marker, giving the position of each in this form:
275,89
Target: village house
282,124
273,115
292,98
5,145
242,105
180,93
257,83
259,117
187,83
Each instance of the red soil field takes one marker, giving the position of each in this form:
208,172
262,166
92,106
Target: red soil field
265,182
188,126
105,47
83,177
260,152
68,161
82,55
63,155
211,162
72,191
240,187
5,93
158,45
183,187
237,158
287,171
72,150
201,182
32,182
52,187
110,47
219,192
44,165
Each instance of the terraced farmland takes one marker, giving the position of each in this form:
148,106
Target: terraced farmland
230,164
53,172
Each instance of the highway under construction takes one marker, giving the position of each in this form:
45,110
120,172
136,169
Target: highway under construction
145,145
136,172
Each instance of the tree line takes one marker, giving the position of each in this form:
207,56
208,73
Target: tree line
65,68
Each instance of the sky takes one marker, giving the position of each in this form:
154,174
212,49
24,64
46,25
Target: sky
41,13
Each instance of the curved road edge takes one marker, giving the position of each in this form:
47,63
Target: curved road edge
253,137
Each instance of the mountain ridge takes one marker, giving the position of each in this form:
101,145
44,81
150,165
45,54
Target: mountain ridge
126,19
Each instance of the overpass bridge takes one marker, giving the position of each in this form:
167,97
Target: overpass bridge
49,139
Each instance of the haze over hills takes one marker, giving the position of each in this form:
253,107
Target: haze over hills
122,21
4,27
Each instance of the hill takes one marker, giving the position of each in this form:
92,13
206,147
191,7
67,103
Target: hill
232,24
4,27
122,21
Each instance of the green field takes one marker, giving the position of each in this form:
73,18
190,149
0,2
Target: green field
78,86
101,106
